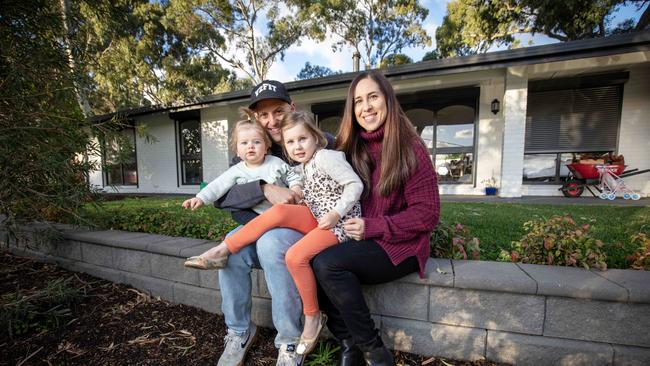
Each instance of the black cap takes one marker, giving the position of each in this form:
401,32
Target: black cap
269,89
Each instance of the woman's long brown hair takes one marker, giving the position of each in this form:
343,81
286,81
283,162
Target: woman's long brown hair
397,155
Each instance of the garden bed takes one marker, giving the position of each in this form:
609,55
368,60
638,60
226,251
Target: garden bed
109,324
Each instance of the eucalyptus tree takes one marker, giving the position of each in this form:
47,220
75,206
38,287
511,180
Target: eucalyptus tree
373,28
474,26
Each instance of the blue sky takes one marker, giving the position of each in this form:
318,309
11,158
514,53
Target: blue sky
322,54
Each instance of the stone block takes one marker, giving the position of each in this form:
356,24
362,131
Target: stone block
402,300
175,245
631,356
573,282
202,298
260,286
172,269
492,276
142,242
599,321
133,261
261,312
438,272
430,339
153,286
70,249
209,279
196,249
99,272
114,238
487,309
521,350
100,255
635,282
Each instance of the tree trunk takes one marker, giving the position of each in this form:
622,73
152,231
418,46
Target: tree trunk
82,99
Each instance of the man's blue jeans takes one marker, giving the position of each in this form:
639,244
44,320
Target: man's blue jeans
235,283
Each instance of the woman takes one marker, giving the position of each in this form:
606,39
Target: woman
400,208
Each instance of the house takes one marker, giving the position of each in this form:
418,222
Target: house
516,116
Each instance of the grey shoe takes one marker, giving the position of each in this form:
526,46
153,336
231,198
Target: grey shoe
236,346
287,356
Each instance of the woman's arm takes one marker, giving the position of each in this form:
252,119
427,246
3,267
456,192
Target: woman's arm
422,210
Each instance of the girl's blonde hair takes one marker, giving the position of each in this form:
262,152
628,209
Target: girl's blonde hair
249,122
293,119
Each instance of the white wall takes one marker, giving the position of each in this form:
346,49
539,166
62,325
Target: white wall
634,135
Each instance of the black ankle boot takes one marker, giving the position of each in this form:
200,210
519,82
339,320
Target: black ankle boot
376,354
350,354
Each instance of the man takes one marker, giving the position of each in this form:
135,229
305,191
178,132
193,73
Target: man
270,101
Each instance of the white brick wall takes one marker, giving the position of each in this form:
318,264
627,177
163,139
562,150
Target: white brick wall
514,132
634,136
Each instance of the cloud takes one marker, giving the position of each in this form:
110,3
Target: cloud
464,134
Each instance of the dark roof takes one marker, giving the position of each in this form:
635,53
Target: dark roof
617,44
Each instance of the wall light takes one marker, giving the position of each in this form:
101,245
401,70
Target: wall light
495,106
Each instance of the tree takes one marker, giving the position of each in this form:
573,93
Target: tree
130,53
310,71
395,59
230,31
43,133
374,28
474,26
432,55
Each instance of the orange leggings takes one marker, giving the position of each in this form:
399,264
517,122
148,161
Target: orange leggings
316,240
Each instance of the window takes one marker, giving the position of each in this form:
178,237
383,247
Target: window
191,169
328,116
446,122
120,159
445,119
570,116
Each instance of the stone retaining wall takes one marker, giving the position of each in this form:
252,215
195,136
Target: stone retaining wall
514,313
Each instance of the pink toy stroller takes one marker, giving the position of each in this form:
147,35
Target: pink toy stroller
611,184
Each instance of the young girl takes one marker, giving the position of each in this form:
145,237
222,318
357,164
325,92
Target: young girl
331,191
251,143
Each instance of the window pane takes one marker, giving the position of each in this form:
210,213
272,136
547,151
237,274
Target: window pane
114,175
540,167
455,127
190,138
455,168
191,171
130,174
330,124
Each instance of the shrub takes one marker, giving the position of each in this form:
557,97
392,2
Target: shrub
557,241
454,241
641,257
172,221
38,311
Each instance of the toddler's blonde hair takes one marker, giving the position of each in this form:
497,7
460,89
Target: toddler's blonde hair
249,123
293,119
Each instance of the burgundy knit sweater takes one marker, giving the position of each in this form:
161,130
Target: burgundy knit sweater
402,222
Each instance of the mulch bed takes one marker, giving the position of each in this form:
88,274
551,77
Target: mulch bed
114,324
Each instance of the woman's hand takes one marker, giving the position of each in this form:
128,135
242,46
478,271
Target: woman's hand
329,220
355,228
192,203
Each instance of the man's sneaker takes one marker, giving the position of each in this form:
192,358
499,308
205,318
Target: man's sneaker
236,346
287,356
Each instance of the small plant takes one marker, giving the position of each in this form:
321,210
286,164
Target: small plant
490,182
324,355
641,257
557,241
454,242
38,311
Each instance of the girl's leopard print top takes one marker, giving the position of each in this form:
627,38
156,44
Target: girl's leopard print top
321,193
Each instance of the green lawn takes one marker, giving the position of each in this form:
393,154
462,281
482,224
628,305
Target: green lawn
495,224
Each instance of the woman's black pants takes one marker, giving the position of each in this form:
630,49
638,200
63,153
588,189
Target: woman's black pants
340,271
